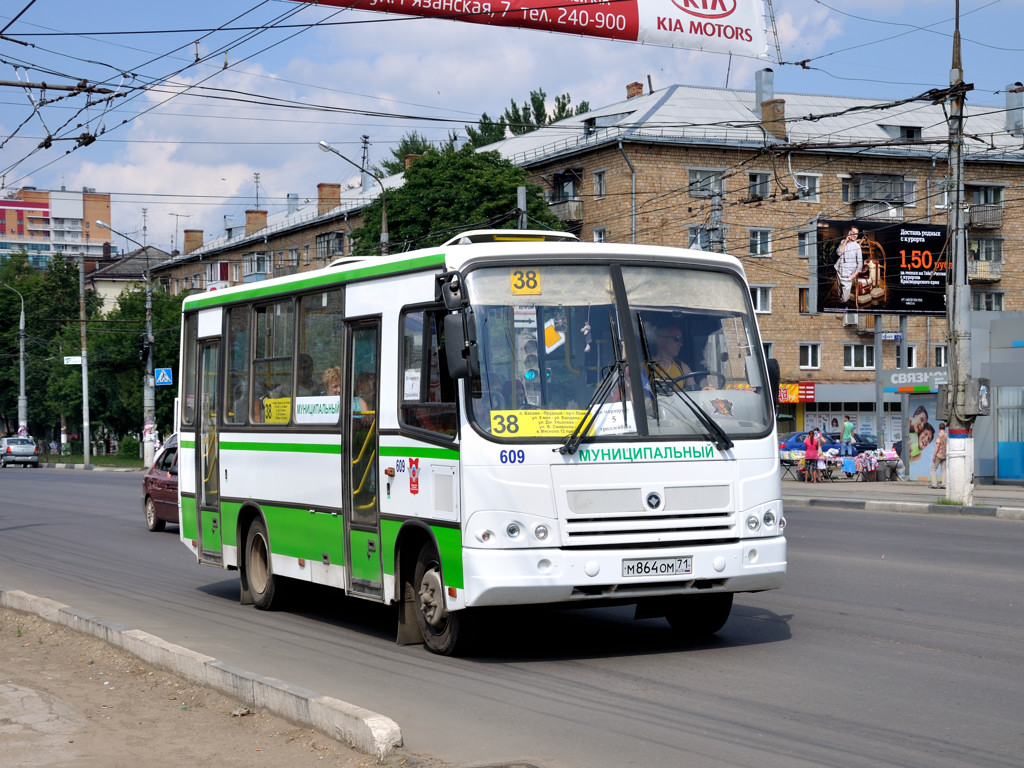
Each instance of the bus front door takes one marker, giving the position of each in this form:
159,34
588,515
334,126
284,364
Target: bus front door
362,513
211,548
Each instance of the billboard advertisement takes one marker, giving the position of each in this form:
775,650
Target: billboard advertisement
723,26
882,267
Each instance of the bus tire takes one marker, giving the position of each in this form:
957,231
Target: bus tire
259,573
696,617
444,632
153,522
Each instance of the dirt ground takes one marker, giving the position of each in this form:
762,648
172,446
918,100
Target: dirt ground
71,699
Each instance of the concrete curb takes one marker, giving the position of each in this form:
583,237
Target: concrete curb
360,728
909,507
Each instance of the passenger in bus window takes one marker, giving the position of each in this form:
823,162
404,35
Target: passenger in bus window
364,398
306,384
332,381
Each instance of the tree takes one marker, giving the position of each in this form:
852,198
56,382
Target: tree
533,114
448,191
410,144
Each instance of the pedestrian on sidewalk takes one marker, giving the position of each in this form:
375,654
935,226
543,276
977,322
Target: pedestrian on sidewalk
939,457
847,438
813,463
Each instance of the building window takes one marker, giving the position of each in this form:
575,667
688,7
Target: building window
877,187
803,301
705,182
810,355
566,185
808,187
699,238
293,257
255,264
847,185
760,242
280,259
599,184
804,244
759,186
984,195
600,235
323,246
910,192
985,249
986,301
911,357
859,356
941,355
761,296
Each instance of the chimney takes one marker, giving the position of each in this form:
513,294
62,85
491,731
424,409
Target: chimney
410,159
773,118
193,240
328,197
255,221
293,202
229,224
764,88
1015,109
634,89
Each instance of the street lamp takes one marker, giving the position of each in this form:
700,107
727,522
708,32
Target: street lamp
383,196
22,402
149,387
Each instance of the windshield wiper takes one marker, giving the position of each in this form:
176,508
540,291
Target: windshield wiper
714,429
572,442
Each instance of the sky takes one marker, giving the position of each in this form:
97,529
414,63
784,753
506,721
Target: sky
208,95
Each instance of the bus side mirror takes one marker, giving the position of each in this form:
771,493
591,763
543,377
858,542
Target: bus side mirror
460,345
775,380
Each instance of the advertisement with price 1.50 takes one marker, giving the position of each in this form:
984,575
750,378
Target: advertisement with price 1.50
882,267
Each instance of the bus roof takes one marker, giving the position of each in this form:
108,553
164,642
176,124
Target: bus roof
519,245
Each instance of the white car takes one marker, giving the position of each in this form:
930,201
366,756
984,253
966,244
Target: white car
19,450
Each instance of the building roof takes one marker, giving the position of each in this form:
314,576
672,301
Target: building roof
689,114
132,267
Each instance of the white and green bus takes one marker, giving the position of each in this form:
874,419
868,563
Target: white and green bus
492,422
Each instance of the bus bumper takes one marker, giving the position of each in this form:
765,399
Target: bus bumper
528,576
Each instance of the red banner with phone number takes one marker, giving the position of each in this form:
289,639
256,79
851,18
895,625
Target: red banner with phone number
724,26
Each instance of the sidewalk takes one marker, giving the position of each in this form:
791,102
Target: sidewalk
1002,501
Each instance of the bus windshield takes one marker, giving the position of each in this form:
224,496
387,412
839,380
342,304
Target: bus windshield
643,346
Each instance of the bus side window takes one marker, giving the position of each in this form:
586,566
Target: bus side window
428,392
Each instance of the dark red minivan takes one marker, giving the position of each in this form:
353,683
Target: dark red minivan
160,487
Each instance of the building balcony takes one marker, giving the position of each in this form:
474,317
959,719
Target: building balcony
878,210
985,217
984,271
567,210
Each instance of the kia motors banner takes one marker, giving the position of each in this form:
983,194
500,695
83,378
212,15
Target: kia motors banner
882,267
724,26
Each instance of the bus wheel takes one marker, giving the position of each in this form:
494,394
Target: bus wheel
697,616
153,522
442,630
258,571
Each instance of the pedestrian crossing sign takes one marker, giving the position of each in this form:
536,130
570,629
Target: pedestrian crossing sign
164,378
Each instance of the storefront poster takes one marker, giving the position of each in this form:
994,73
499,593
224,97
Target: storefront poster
881,267
920,430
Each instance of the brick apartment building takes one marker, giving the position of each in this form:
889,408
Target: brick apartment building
652,168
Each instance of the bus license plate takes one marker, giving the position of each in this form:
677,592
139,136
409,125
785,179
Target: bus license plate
658,566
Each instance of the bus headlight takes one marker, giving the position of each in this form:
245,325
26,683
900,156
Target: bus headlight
513,530
541,532
769,519
753,523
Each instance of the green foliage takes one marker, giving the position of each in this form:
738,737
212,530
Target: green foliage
520,119
53,330
129,446
448,191
410,144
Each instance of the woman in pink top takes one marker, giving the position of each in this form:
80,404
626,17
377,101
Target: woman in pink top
811,471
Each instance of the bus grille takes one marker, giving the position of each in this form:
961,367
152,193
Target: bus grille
620,516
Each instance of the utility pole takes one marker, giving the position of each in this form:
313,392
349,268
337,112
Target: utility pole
86,437
960,451
715,239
